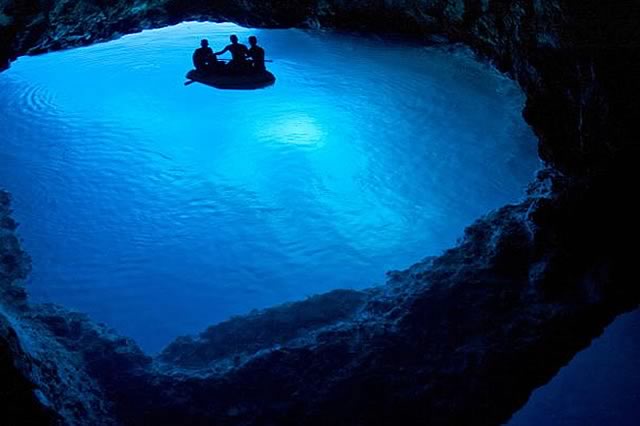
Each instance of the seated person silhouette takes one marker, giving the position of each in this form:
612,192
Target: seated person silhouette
203,58
239,52
256,53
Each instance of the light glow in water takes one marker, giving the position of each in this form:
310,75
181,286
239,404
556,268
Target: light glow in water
161,209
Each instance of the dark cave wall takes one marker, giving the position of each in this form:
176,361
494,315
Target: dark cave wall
17,389
42,382
459,339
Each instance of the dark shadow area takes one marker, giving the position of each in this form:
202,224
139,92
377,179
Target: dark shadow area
599,386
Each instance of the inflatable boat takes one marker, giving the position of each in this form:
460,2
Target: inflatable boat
256,80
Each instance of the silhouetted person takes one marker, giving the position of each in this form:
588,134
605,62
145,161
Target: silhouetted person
203,58
239,54
256,53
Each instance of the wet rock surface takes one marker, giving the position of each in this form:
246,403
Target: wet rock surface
459,339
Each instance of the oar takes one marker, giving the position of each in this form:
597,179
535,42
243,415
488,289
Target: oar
227,60
188,82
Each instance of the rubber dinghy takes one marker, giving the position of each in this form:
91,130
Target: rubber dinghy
251,81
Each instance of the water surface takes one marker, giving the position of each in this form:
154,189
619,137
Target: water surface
600,386
161,209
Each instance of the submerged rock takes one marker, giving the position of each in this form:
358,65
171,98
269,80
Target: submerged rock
14,262
459,339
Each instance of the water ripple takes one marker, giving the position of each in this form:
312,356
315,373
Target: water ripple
162,208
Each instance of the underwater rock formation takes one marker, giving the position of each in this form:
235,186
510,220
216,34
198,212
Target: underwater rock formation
462,338
457,339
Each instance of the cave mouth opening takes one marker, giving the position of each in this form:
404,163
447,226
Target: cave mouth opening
161,209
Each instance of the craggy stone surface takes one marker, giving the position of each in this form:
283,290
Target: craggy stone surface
462,338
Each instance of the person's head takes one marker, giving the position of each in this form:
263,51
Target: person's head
233,38
253,40
204,42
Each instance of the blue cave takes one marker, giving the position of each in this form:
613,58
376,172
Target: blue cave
419,213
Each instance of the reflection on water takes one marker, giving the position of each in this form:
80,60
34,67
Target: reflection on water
161,209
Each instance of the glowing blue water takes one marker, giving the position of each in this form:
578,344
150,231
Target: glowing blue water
161,209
